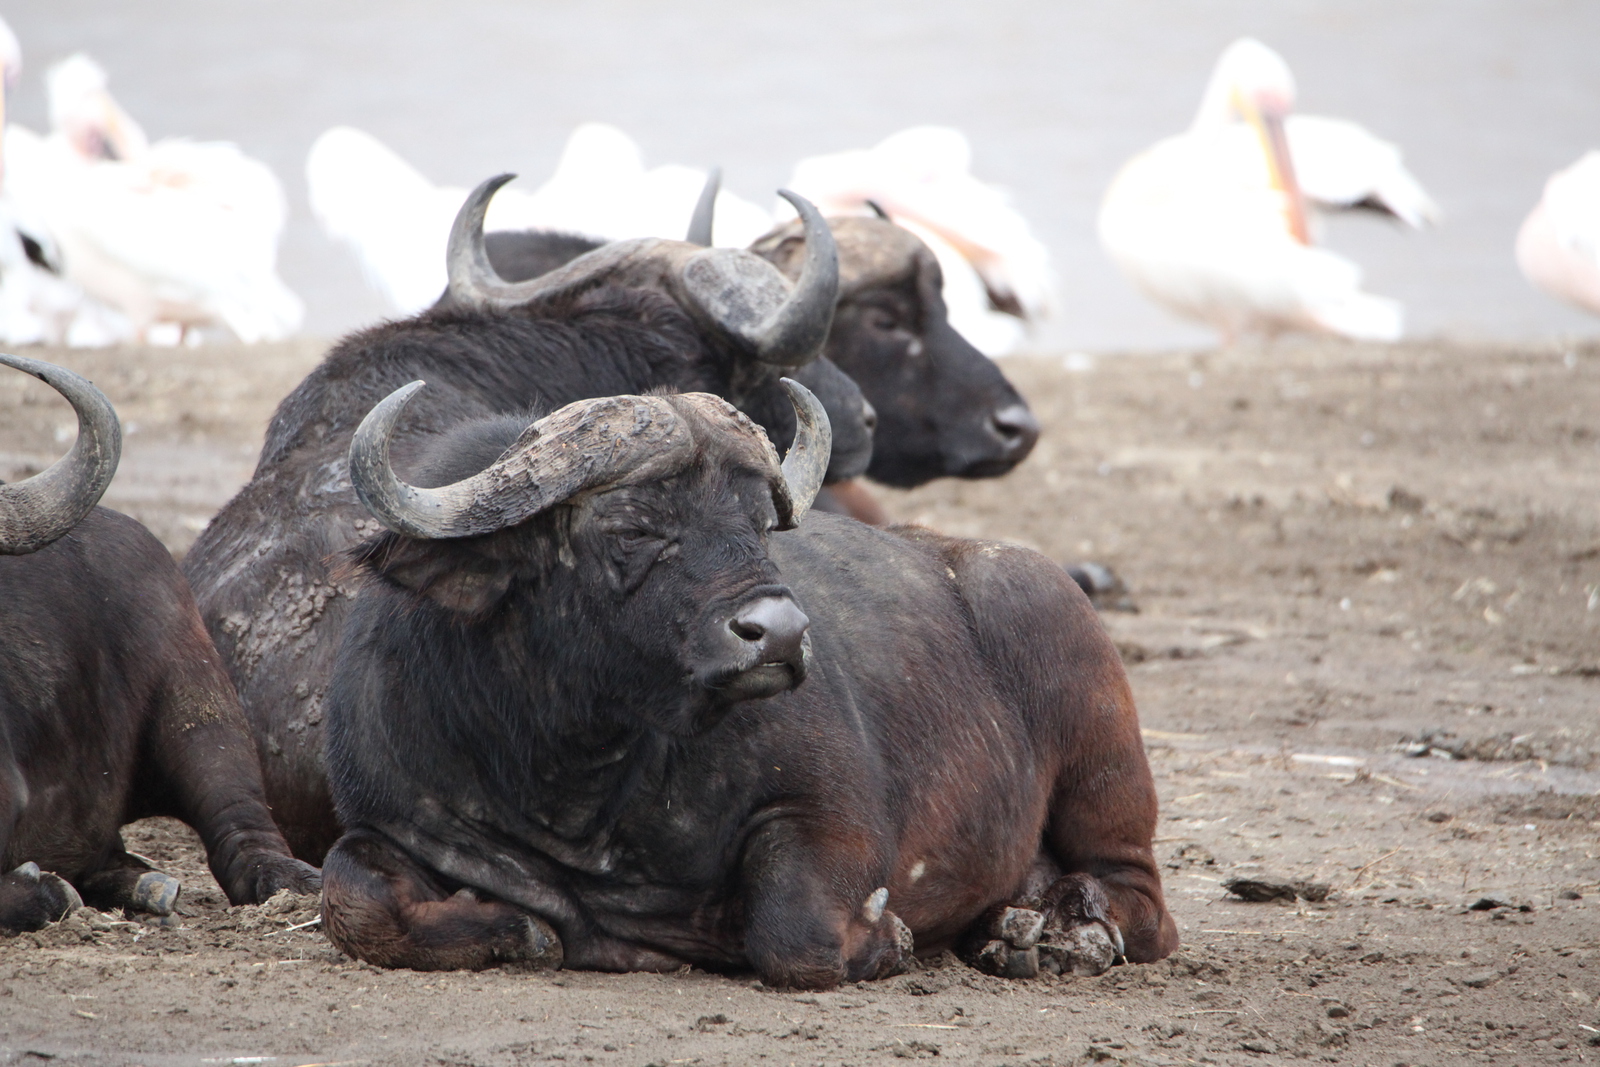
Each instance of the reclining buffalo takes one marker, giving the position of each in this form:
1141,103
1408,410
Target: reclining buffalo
633,317
590,706
943,408
113,704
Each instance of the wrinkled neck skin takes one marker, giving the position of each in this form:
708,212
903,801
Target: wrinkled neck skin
534,678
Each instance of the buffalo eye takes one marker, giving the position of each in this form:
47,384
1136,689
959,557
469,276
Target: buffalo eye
638,540
883,319
634,552
894,324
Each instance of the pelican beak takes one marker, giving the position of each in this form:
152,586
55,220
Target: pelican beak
1268,120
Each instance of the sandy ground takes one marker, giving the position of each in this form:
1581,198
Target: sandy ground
1367,654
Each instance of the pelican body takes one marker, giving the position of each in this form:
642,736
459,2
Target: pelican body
1218,224
1558,247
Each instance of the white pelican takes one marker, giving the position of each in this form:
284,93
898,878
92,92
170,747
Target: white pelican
1558,247
174,235
398,222
37,305
997,274
1216,223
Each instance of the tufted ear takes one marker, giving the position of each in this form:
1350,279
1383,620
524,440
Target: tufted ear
458,576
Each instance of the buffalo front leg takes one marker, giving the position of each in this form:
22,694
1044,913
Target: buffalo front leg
813,919
1104,902
29,898
209,776
381,906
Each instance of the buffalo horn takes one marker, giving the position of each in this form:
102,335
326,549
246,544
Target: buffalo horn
585,444
473,281
781,325
705,211
40,509
736,292
807,461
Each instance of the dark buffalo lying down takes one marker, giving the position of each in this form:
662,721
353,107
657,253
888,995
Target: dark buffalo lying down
587,707
634,317
113,704
943,408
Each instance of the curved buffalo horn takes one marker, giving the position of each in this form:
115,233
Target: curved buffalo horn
41,509
877,209
585,444
798,329
705,210
736,291
807,461
473,280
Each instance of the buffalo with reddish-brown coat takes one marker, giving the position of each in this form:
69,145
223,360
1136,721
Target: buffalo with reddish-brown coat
537,761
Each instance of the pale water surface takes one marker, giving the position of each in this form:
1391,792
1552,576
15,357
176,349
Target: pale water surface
1486,98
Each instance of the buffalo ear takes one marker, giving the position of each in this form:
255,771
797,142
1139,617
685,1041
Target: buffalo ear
453,576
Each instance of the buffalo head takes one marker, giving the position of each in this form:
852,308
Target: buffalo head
41,509
627,532
943,407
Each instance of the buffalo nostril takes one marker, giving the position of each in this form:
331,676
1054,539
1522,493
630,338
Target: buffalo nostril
869,415
1016,427
775,623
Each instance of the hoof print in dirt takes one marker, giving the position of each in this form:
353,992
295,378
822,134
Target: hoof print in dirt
1262,890
1495,903
1084,950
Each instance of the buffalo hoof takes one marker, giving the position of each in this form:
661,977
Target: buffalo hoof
1085,950
1019,927
536,947
904,956
278,873
1007,941
1007,961
155,893
31,899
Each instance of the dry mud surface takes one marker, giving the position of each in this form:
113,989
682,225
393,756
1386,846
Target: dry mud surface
1367,654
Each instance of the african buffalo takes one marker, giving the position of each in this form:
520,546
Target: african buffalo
113,704
588,707
633,317
942,408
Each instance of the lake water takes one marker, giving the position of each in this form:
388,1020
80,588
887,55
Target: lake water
1486,98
